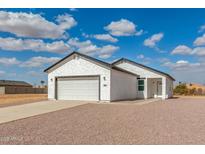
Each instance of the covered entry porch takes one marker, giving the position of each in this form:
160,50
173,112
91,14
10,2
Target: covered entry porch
153,88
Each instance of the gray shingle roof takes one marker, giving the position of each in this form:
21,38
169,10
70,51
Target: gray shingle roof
13,83
113,66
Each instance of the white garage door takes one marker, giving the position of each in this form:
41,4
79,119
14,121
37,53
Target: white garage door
78,88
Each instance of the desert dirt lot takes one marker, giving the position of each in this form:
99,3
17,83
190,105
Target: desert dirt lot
17,99
174,121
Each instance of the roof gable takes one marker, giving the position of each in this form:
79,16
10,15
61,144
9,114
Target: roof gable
104,64
82,55
142,66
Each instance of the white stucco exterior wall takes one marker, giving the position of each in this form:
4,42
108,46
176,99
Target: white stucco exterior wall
149,88
143,73
123,86
80,67
169,87
164,88
146,88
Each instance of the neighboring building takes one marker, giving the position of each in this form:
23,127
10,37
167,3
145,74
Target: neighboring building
80,77
14,87
19,87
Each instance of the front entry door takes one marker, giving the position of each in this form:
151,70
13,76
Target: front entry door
159,88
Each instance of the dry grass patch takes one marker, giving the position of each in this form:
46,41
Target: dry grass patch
181,96
17,99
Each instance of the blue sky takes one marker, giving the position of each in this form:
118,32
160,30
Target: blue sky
171,40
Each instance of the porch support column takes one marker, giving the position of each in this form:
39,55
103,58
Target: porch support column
145,88
164,88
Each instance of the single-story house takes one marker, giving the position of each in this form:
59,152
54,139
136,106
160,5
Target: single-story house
13,87
81,77
19,87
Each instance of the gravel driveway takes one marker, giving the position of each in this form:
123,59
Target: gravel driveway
175,121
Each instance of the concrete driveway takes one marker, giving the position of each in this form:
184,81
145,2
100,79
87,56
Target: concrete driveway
17,112
27,110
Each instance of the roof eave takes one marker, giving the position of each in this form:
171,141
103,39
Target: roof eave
154,70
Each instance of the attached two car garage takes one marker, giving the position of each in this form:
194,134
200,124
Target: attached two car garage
78,88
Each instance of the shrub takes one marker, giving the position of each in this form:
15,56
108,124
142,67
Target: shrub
181,89
199,91
192,91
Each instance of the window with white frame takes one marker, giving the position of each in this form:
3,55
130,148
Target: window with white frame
140,85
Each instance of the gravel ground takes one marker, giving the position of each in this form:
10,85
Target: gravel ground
175,121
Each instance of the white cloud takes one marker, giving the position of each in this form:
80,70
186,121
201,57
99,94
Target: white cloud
86,35
186,71
151,41
90,49
34,25
8,61
202,28
105,37
200,41
35,74
13,44
182,49
73,9
32,62
2,73
76,42
141,56
122,27
107,51
163,60
39,61
87,47
144,60
139,32
66,21
199,51
181,65
182,62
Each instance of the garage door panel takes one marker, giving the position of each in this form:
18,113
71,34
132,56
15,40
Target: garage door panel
83,88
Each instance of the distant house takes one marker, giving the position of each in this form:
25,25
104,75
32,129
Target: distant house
19,87
81,77
14,87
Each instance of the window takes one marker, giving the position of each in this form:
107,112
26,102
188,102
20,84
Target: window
140,85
